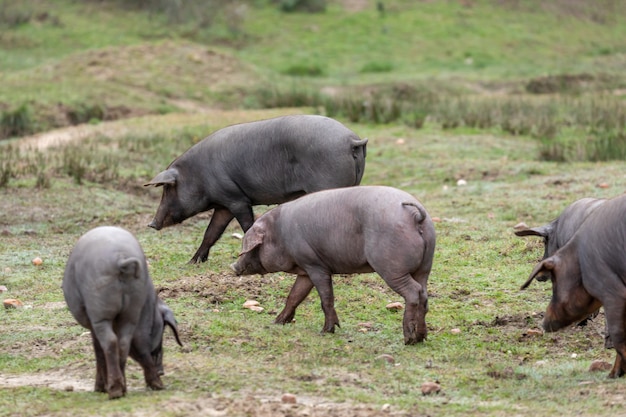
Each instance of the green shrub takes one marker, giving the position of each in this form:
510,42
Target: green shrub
310,6
13,14
377,67
17,122
86,113
8,158
304,70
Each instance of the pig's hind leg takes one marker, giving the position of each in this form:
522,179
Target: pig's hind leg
300,290
107,339
615,310
416,300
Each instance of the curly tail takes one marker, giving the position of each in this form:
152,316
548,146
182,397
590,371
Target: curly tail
419,214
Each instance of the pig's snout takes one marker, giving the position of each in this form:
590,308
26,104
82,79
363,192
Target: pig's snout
236,269
153,224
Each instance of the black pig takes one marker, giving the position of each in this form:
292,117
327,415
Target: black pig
258,163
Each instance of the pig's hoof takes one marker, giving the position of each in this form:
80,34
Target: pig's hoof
116,392
156,385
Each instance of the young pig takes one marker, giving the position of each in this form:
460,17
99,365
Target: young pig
343,231
108,290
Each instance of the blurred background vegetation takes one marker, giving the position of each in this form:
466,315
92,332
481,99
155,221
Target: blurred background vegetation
553,71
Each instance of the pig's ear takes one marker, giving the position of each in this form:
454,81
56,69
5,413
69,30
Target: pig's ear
544,267
253,238
168,176
542,231
168,319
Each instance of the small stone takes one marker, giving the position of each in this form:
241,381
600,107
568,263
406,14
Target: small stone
533,333
258,309
3,289
520,226
455,331
395,306
365,325
598,365
386,408
603,185
400,141
289,398
430,388
237,236
574,355
436,219
12,303
461,183
250,303
37,261
387,358
68,388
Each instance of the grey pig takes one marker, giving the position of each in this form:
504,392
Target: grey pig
344,231
109,291
258,163
590,271
560,230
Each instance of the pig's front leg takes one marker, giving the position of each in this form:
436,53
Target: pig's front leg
323,282
150,371
219,221
300,290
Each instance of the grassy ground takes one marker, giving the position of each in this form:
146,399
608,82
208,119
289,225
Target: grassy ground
484,347
238,361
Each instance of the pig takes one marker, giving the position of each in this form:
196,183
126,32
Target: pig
258,163
589,271
559,231
109,291
343,231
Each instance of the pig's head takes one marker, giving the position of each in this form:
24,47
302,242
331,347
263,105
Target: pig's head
181,198
570,300
249,261
262,251
163,316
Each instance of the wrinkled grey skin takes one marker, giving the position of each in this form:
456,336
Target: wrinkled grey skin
590,271
344,231
264,162
108,290
559,231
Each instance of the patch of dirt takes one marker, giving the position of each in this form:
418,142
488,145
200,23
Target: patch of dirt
215,287
58,380
272,406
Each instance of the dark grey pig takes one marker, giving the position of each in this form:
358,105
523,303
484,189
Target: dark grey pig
560,230
590,271
343,231
108,289
264,162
